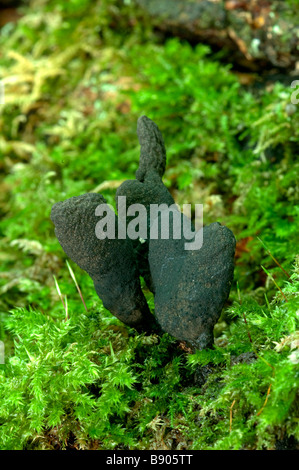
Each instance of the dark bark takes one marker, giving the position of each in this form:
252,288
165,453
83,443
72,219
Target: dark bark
9,11
256,33
11,3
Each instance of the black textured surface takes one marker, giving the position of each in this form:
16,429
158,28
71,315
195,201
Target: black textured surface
148,187
190,286
110,263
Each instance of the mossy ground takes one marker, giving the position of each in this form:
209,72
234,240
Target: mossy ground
76,79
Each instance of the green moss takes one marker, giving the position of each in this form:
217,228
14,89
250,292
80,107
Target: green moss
74,91
91,379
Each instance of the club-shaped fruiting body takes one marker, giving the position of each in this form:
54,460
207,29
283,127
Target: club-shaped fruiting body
190,286
111,263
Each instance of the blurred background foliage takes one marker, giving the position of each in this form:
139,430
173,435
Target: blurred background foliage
77,75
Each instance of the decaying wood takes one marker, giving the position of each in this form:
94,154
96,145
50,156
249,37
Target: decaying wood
256,32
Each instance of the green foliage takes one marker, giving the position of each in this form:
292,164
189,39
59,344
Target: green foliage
258,412
47,383
94,383
240,145
76,80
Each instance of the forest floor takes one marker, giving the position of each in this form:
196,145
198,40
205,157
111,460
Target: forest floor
76,76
